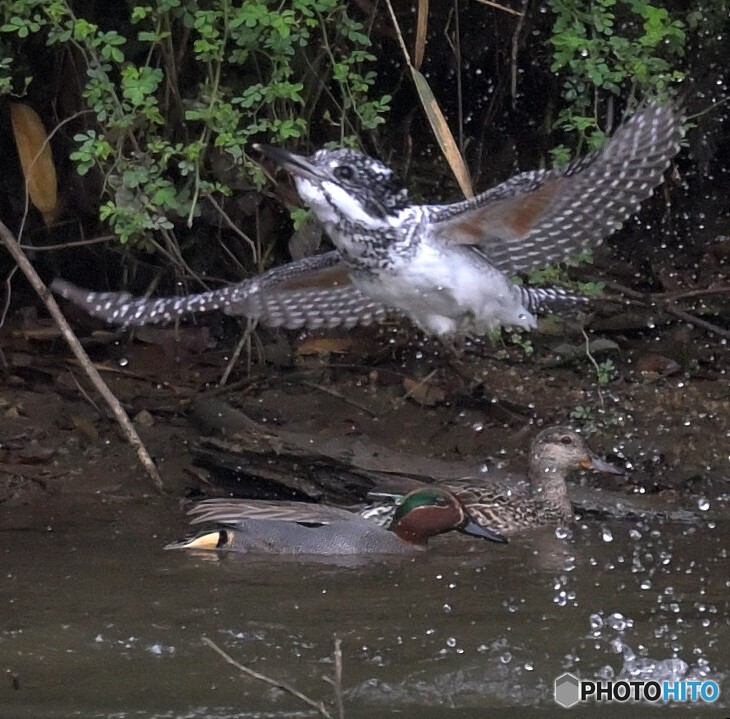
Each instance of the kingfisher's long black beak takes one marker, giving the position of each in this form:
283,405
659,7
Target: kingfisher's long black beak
473,529
296,164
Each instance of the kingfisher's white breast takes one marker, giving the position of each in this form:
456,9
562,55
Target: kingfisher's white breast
449,291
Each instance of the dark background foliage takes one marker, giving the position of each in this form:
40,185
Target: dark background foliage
156,107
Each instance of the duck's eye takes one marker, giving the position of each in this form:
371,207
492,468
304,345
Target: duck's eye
344,172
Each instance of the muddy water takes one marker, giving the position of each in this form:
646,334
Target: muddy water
97,621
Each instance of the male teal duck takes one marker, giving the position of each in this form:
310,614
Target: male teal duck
513,504
257,526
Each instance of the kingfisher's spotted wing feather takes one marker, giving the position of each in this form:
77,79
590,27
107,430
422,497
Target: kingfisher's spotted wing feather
121,308
311,293
320,298
542,217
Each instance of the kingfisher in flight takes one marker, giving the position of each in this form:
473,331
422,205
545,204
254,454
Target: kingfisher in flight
448,267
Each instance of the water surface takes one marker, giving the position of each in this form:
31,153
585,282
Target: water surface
98,621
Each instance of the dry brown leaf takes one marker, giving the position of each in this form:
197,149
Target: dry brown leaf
443,134
144,418
421,33
324,345
438,122
36,159
84,427
653,366
420,391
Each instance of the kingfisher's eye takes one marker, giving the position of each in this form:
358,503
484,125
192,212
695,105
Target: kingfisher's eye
344,172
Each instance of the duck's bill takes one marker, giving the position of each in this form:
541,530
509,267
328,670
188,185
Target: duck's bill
290,161
601,465
473,529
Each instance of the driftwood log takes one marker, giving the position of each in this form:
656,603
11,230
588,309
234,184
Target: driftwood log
248,458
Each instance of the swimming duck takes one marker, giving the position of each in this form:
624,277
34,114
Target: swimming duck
257,526
513,504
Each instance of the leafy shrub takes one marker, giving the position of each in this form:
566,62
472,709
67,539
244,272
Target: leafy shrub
608,48
178,89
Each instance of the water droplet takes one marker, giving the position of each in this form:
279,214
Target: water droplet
703,504
619,622
123,362
606,535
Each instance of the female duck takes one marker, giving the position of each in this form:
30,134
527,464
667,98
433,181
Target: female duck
512,504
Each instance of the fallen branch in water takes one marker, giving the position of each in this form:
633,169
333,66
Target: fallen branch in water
336,682
318,706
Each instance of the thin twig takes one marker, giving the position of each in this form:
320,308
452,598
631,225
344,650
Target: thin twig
459,78
338,679
694,320
245,340
420,383
401,41
231,224
500,7
594,363
712,107
664,303
340,396
91,372
8,295
318,706
69,245
240,269
701,292
629,292
515,49
86,395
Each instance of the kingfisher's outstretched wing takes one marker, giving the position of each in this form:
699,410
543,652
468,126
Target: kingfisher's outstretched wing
313,292
542,217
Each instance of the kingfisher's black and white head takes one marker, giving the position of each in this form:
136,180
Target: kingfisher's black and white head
344,185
